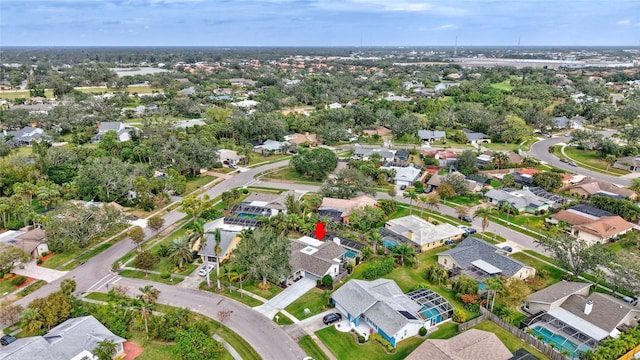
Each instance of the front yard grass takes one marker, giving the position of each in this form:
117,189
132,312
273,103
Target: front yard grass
282,319
252,287
139,274
289,174
345,347
500,146
198,182
509,340
233,294
591,158
445,331
314,300
311,348
256,158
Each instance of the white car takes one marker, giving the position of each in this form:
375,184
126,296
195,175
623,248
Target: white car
205,269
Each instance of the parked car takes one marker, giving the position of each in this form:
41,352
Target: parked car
466,218
471,231
331,318
205,269
7,339
449,242
564,160
507,248
233,166
403,187
573,163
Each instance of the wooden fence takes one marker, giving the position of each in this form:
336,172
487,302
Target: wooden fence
541,346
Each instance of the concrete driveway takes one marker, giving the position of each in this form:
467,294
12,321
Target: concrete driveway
32,270
289,295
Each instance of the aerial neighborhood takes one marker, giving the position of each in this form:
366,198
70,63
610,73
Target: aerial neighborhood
302,203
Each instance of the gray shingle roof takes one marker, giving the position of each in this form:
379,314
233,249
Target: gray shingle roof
226,237
557,291
608,312
380,301
431,134
472,249
317,263
63,341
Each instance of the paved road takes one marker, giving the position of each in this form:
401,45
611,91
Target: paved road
540,150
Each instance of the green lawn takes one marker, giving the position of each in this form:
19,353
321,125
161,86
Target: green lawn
345,347
509,340
554,274
198,182
504,86
6,287
527,220
500,146
311,348
467,200
289,174
252,287
282,319
256,158
313,300
445,331
139,274
591,158
451,144
235,295
32,287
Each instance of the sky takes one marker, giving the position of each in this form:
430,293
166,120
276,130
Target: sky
319,22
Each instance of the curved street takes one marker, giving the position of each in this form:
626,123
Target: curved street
540,150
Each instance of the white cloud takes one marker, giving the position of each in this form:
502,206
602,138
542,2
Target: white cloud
407,6
624,22
448,27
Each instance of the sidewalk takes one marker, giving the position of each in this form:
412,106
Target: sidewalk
31,269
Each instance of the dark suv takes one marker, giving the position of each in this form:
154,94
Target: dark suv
466,218
7,339
331,318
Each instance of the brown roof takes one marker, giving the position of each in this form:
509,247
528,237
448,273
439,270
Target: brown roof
571,218
607,313
347,205
471,344
605,227
380,131
303,138
34,235
592,186
514,158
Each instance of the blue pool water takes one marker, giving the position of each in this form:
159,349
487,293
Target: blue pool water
559,341
351,254
246,216
482,286
432,314
389,244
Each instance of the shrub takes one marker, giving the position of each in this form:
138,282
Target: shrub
165,275
422,331
376,271
382,341
357,260
361,339
245,191
469,299
349,268
44,253
381,250
459,316
39,261
473,307
18,280
163,250
327,280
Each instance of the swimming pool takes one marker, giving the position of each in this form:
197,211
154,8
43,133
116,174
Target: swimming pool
351,254
559,341
389,244
482,286
432,314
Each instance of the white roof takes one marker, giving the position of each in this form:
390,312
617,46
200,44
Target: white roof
259,203
578,323
310,241
486,267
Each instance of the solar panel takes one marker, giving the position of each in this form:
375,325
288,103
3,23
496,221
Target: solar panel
407,315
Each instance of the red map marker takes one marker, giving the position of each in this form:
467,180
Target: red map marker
320,231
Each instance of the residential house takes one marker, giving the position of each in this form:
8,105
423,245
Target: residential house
299,139
334,106
472,344
34,109
525,176
73,339
271,147
312,258
446,158
629,163
379,306
338,210
429,136
184,124
589,187
362,153
476,137
405,175
585,319
31,242
564,123
481,260
602,230
378,130
23,137
484,158
440,87
246,104
229,240
263,204
402,156
419,233
242,82
230,156
122,130
522,200
434,181
514,158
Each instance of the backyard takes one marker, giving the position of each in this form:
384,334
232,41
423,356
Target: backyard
289,174
344,346
509,340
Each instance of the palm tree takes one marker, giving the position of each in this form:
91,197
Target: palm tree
484,213
635,185
411,195
432,201
500,159
462,211
105,350
375,238
147,299
218,249
180,251
494,284
422,201
404,253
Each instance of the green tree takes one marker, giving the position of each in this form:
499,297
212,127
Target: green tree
155,223
635,185
404,254
105,350
53,309
145,260
547,180
136,234
500,159
316,163
146,302
457,182
484,213
265,255
436,274
180,251
347,183
374,238
11,256
411,195
196,206
467,162
366,218
514,292
68,286
446,191
575,255
494,284
193,344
